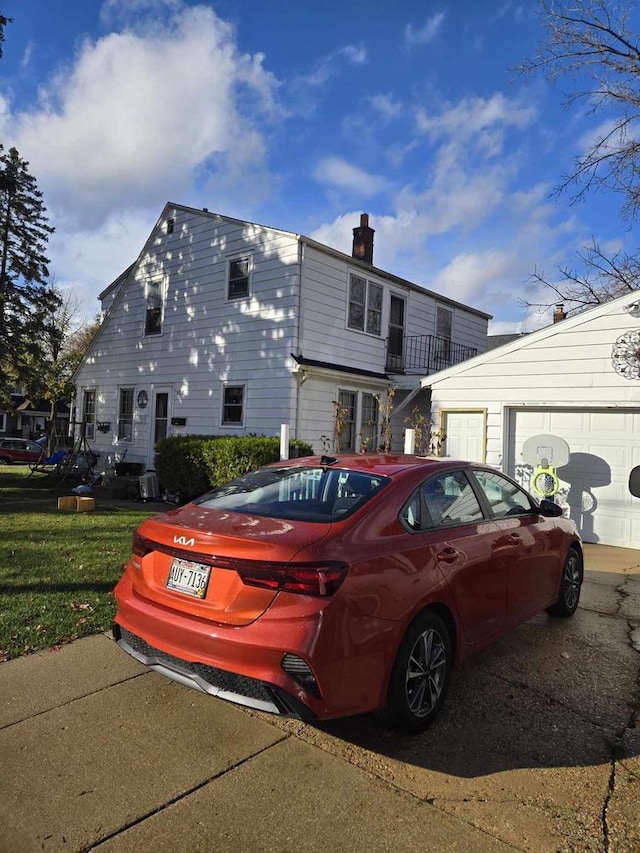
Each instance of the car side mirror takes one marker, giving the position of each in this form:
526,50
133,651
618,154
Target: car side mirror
550,509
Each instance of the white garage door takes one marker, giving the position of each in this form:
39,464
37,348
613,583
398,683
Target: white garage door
605,446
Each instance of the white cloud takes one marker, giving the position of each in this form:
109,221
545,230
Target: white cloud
387,106
133,119
339,173
469,274
93,257
330,65
426,33
481,120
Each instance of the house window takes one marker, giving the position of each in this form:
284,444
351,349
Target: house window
89,414
365,305
238,278
357,421
368,423
346,421
170,225
233,405
153,314
395,352
444,322
125,415
3,422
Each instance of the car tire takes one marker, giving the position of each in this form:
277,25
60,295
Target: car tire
420,675
570,584
3,461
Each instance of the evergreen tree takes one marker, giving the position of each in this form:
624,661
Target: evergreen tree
3,23
25,296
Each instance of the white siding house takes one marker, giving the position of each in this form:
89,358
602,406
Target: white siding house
227,327
579,380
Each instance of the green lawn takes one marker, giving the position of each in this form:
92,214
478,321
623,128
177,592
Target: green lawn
57,568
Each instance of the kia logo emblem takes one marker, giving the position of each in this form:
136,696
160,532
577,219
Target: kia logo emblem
182,540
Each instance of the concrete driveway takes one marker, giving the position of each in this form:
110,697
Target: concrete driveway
537,748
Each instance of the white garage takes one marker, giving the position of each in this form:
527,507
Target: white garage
577,380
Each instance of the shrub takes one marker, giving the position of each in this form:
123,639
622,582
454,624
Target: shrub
190,465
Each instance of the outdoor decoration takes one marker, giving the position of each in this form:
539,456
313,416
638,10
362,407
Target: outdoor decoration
545,453
625,355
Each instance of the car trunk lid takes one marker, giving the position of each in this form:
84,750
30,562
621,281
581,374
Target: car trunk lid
185,560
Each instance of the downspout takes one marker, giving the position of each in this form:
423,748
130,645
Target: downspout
298,339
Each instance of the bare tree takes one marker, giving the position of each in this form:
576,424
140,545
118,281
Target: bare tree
591,41
599,279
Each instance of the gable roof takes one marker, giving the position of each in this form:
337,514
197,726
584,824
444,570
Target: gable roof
523,342
117,283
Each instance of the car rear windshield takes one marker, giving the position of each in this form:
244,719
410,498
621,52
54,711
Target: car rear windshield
304,494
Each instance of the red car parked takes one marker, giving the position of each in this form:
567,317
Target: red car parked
329,586
19,451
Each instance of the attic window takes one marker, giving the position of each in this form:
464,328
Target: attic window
153,311
170,224
238,278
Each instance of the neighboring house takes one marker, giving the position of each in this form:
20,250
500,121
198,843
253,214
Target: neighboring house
579,380
30,418
225,327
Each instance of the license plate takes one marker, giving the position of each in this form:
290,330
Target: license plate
189,578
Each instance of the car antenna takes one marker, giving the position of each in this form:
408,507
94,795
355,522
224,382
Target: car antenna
325,461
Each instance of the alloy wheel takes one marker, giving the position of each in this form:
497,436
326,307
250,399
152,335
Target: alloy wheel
426,672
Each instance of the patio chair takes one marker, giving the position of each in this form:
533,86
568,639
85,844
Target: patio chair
50,464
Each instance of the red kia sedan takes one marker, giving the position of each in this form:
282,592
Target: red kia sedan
329,586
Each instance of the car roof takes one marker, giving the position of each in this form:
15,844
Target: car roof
386,464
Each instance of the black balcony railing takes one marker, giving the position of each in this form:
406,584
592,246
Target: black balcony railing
426,353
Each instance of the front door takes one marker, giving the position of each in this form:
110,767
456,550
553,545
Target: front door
159,422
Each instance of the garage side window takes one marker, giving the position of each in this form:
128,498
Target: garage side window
450,499
503,496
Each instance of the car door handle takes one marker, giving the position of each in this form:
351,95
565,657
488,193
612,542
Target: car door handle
447,555
515,538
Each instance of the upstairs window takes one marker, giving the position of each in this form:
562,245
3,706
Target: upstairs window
365,305
239,269
233,405
444,322
153,312
170,225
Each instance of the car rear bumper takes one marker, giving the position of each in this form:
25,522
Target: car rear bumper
240,689
245,664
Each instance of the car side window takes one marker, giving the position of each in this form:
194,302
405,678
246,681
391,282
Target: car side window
503,496
450,499
411,514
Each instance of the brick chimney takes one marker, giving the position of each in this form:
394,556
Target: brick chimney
363,240
559,314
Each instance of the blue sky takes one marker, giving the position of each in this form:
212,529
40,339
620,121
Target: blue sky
302,116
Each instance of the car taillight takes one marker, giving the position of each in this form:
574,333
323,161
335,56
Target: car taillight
323,579
141,545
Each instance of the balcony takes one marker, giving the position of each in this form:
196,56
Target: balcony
426,354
